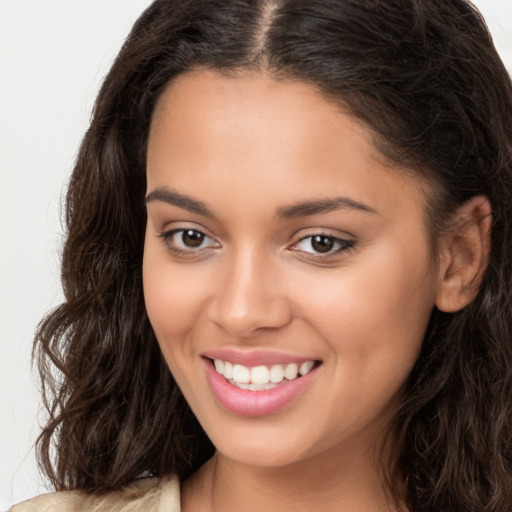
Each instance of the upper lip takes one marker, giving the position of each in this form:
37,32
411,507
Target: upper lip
255,357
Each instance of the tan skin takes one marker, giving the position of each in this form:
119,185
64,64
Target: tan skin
249,148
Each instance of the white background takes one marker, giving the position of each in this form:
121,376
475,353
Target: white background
53,56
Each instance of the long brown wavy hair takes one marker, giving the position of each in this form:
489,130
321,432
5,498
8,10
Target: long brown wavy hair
426,79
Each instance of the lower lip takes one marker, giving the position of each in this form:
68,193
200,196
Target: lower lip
255,403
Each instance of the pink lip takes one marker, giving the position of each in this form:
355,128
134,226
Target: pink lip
255,403
255,357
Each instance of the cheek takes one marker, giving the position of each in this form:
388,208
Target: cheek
173,298
374,316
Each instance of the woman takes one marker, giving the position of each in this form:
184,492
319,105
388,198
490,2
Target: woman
287,269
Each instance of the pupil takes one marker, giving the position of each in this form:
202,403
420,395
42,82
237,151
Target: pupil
192,238
322,243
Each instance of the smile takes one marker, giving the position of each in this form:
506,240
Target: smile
261,378
257,389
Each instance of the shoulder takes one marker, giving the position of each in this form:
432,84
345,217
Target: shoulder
147,495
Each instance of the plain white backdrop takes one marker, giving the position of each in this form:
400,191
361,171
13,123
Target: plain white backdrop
53,56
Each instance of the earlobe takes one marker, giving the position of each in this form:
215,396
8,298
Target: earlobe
465,255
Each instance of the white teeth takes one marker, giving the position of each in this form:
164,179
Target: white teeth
252,387
259,375
291,370
259,378
276,373
306,367
241,374
228,370
260,387
219,366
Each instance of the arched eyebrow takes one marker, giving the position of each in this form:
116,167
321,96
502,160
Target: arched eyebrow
180,200
294,211
306,208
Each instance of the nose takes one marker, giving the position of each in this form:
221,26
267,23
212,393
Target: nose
249,297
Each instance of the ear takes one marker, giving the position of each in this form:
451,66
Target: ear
464,255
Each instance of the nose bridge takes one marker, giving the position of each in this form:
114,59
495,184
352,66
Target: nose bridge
248,297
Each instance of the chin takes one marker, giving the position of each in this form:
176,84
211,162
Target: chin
259,456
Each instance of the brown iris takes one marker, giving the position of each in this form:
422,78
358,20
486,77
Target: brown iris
192,238
322,243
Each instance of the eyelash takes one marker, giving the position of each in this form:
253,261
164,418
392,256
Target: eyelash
343,245
167,239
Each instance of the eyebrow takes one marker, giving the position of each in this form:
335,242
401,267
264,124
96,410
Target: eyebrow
314,207
302,209
180,200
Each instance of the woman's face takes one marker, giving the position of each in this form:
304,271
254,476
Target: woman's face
276,242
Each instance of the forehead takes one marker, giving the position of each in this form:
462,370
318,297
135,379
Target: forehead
278,139
287,111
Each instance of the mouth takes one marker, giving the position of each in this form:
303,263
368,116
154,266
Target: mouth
262,377
259,390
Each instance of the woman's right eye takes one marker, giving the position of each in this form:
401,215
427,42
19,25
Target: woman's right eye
187,241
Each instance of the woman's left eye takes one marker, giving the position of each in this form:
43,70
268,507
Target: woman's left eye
321,244
187,240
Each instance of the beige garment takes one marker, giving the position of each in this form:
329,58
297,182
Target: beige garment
147,495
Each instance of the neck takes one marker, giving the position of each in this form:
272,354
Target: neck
353,485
